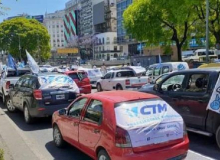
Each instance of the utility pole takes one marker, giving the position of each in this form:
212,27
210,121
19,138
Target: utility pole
207,31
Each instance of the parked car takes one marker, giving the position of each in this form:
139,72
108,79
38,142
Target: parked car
82,80
155,70
41,95
189,92
11,77
200,55
120,80
114,126
93,74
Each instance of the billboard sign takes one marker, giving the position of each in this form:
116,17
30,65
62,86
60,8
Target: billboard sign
39,18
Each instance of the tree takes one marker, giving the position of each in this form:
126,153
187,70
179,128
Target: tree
161,21
214,18
20,34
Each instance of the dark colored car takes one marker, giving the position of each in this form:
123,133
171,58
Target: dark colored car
40,95
189,93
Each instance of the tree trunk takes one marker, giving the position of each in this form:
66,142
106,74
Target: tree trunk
179,52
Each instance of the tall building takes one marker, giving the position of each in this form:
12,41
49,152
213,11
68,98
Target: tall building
130,45
55,26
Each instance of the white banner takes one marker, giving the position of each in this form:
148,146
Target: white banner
149,122
32,64
214,102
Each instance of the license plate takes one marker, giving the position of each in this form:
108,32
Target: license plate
59,97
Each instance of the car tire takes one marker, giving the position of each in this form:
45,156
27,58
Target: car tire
103,155
99,87
217,136
57,137
3,97
119,87
27,117
10,107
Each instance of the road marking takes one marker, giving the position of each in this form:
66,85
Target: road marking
198,154
28,142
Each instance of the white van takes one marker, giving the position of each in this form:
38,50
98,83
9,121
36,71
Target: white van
155,70
200,55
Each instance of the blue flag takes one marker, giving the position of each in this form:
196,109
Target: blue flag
11,62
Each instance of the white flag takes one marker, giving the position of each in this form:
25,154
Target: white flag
32,64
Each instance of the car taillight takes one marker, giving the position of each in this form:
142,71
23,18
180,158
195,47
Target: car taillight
122,138
7,84
127,82
38,94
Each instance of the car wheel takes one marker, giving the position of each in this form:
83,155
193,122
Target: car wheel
57,137
103,155
217,136
99,87
3,97
27,117
119,87
9,105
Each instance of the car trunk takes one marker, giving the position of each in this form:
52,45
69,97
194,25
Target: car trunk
57,96
138,81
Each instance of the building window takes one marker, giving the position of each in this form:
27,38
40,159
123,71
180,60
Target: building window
108,48
103,48
103,41
115,48
121,48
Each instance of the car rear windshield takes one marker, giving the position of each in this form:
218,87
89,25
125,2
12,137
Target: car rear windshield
13,73
125,74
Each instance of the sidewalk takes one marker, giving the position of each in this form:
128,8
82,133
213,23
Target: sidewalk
13,144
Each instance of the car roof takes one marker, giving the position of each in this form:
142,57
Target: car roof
121,96
200,70
69,72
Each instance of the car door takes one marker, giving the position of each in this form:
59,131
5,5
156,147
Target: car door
195,99
106,81
22,91
71,121
171,90
15,92
90,126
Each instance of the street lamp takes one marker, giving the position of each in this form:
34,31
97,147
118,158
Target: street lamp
207,31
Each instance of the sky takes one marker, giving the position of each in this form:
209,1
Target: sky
31,7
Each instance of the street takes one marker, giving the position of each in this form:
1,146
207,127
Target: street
39,138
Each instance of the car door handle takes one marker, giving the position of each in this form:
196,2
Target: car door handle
96,131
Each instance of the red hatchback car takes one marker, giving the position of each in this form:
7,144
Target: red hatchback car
122,125
82,81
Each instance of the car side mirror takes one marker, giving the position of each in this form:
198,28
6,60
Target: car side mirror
11,86
102,77
62,112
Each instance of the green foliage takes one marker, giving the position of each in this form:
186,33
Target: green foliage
1,154
158,21
31,34
167,50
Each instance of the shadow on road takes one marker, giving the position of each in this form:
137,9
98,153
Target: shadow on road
66,153
18,119
204,145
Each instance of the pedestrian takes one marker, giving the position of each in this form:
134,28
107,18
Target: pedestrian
123,65
103,69
94,67
138,63
128,64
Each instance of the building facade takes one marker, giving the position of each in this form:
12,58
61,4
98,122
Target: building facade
106,46
55,26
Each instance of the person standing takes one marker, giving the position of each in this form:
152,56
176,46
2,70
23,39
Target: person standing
103,69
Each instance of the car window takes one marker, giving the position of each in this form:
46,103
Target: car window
156,71
26,82
19,82
165,69
33,83
108,75
94,112
76,108
162,77
82,75
174,83
125,74
197,83
74,76
150,71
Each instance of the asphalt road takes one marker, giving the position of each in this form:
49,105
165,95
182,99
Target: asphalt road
39,135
